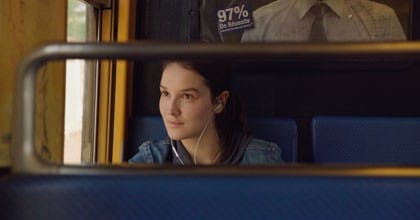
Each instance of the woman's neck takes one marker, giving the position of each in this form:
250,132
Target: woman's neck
207,150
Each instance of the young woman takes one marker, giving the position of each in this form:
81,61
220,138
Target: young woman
204,121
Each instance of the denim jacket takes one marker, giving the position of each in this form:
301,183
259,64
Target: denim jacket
256,153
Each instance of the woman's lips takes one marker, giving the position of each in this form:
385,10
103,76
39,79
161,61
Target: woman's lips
175,124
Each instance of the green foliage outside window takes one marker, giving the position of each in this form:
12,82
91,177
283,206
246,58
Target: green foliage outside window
76,24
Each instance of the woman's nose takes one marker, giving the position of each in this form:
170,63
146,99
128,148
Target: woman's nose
173,107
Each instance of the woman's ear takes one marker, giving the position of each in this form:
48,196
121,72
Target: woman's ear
221,101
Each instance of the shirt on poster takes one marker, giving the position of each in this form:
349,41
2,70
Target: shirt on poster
345,20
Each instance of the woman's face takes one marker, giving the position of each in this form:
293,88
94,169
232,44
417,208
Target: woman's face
185,102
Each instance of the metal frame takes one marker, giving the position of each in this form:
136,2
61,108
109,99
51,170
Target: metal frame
26,161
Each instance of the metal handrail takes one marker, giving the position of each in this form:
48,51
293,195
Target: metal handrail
25,159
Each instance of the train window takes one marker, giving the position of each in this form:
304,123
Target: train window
95,131
80,86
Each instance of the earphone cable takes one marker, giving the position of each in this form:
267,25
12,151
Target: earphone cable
176,152
200,137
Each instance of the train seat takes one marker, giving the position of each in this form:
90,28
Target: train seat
282,131
394,140
208,197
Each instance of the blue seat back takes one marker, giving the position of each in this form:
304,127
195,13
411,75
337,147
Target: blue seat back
141,129
208,197
366,140
282,131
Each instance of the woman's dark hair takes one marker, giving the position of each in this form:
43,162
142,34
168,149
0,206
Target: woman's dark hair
232,119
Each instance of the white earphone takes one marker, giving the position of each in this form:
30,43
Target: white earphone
218,107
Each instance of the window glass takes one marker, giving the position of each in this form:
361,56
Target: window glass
80,87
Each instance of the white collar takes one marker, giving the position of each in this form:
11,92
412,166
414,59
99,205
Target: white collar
303,6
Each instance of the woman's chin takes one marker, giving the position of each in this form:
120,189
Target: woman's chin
175,136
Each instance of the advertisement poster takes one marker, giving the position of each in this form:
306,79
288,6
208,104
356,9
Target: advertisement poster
305,20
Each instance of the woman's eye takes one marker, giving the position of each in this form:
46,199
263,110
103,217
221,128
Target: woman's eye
187,96
164,93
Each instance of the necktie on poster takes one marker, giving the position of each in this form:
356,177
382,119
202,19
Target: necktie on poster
317,33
